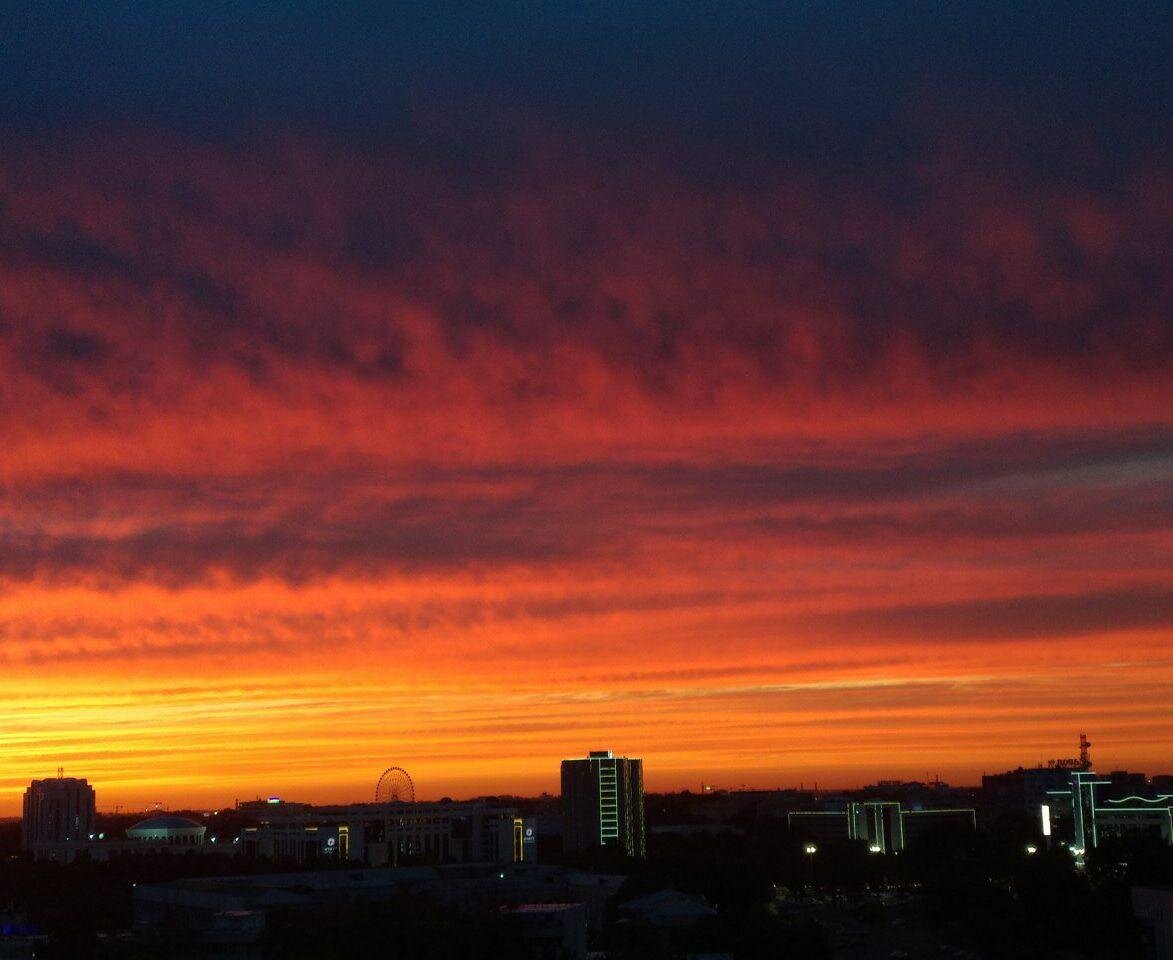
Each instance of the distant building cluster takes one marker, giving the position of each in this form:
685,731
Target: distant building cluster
460,856
457,855
386,834
59,824
603,805
1079,808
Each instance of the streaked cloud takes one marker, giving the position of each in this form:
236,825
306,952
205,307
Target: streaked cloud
508,387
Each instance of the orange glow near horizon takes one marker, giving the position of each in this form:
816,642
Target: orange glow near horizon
273,519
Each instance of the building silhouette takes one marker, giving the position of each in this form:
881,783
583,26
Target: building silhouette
1024,788
168,829
603,803
58,818
388,834
884,825
1080,815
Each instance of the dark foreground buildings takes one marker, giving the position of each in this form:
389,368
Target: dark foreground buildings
551,908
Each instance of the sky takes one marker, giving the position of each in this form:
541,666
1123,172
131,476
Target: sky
779,393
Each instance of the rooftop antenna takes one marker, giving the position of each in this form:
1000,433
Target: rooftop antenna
1085,757
60,773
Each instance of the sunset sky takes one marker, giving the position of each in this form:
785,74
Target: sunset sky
780,393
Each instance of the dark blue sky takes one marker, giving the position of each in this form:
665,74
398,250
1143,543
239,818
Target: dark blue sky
840,80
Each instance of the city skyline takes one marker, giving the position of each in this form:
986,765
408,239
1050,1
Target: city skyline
777,396
1080,761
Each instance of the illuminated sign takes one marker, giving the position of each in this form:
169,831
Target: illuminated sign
1046,812
274,799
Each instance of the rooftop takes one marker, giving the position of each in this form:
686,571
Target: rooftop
166,822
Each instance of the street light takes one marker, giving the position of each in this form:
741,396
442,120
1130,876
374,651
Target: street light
810,850
1031,848
876,848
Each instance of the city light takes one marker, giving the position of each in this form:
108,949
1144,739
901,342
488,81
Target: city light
810,848
1031,848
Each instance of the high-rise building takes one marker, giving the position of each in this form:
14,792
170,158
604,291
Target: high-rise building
58,818
603,803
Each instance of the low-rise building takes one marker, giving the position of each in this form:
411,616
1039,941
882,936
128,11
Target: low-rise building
234,909
552,931
168,829
1080,815
1024,788
1137,816
668,908
1153,908
481,886
163,833
390,833
555,905
883,824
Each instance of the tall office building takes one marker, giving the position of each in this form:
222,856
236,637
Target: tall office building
603,803
58,817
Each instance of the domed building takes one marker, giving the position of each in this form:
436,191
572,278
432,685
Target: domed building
172,830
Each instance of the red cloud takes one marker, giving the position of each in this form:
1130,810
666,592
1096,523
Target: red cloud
828,458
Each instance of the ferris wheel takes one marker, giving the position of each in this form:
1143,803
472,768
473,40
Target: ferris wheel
395,786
